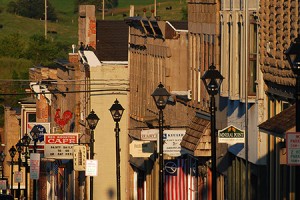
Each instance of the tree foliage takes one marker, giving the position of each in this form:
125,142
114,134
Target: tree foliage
36,48
32,9
13,45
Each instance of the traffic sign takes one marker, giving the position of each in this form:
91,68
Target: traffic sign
293,148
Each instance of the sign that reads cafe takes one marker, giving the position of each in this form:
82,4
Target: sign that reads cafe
231,135
60,146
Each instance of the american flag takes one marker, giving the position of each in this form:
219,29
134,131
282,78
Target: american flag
176,180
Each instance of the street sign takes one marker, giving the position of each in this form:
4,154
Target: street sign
293,148
60,146
91,168
231,135
79,157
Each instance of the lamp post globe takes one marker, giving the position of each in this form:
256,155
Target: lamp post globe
116,111
92,120
160,96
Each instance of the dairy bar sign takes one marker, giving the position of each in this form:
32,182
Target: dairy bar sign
60,146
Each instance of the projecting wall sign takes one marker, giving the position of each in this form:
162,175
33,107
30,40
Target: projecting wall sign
60,146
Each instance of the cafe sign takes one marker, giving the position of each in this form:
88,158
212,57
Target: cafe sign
60,146
231,135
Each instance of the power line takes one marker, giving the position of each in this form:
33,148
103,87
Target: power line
65,92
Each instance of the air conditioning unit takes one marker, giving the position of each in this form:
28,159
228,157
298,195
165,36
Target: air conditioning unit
189,94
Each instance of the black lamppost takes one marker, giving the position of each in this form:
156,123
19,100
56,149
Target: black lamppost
35,137
160,96
92,120
212,80
26,141
293,56
116,111
2,158
12,153
19,146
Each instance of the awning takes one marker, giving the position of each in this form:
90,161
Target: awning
197,138
137,162
280,123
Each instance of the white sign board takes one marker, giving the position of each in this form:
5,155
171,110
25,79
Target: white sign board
60,146
91,168
293,148
141,149
79,154
34,165
172,140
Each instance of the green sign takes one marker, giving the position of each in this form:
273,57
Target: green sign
231,135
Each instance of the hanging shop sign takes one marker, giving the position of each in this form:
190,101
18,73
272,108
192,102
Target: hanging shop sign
141,149
79,157
149,134
172,140
231,135
60,146
293,148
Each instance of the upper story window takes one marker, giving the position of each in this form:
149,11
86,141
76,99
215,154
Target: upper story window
252,69
31,117
233,55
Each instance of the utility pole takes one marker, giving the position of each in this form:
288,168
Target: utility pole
45,19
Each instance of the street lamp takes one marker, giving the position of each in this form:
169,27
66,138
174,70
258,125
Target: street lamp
19,146
212,80
293,56
116,111
2,158
35,133
26,141
160,96
92,120
12,153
